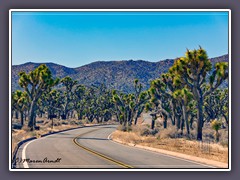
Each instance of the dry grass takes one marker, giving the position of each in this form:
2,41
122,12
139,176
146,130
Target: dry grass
211,151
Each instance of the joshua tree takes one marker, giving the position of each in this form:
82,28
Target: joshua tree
79,100
140,99
192,112
20,102
53,102
67,105
123,106
152,106
128,106
34,84
192,71
104,103
161,98
224,104
184,96
216,105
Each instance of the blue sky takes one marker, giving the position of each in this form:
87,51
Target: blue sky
74,39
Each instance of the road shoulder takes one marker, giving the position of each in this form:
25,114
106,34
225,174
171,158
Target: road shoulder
175,154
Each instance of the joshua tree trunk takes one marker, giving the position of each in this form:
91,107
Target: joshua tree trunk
140,110
22,119
16,114
178,122
182,125
64,116
191,122
185,118
200,119
173,119
153,123
52,123
165,121
49,113
117,117
65,113
187,126
59,115
217,136
154,117
34,120
31,115
130,118
124,123
79,115
136,117
226,118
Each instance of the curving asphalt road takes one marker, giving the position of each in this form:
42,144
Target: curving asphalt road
90,147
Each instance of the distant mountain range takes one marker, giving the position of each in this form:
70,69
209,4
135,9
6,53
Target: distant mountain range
115,74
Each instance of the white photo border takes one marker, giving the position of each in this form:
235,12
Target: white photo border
120,10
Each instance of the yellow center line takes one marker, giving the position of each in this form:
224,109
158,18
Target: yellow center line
99,154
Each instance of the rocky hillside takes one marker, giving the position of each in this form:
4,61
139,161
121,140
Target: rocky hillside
115,74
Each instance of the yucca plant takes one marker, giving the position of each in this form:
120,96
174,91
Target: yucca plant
216,125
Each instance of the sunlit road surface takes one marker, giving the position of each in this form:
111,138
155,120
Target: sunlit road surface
91,148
